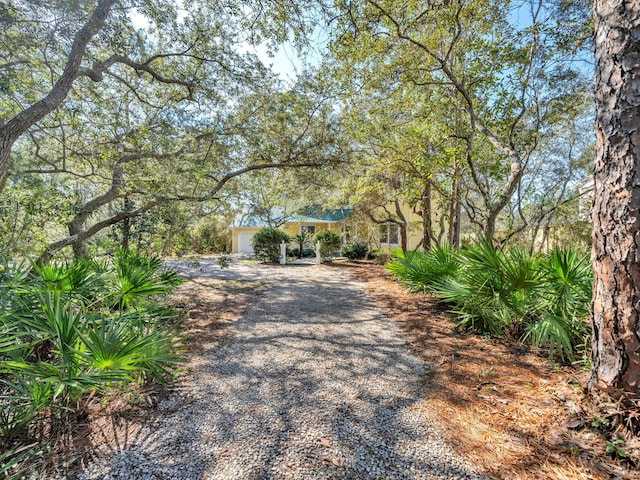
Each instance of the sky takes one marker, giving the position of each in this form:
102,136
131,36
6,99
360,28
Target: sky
286,61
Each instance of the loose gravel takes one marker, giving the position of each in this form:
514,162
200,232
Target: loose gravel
315,384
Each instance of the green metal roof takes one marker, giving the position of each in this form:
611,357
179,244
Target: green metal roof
311,214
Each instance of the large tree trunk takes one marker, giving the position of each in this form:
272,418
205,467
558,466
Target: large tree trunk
77,224
87,233
79,247
126,225
616,208
402,222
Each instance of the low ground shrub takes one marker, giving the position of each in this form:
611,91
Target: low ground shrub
266,243
383,255
354,251
295,253
420,271
70,330
541,299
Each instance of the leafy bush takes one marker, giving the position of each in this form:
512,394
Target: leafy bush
564,303
70,329
135,277
306,252
354,251
384,255
266,243
329,243
493,290
541,299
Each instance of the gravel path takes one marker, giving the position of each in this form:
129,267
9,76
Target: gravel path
315,384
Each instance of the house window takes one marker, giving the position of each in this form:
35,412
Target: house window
308,230
389,234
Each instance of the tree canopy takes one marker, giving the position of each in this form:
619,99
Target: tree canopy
121,117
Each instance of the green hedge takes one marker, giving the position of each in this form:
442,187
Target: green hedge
266,243
329,243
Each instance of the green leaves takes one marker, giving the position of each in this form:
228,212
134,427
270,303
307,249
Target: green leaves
136,277
329,243
128,345
543,300
61,338
420,272
266,243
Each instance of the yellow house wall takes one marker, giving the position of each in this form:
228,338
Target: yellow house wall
290,228
414,224
414,228
234,236
293,228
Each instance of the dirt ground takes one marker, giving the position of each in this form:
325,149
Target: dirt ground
514,414
207,308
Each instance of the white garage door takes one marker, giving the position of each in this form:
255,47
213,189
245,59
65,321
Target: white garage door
244,242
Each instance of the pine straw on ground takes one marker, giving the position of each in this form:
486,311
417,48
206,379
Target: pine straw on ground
506,410
512,413
207,308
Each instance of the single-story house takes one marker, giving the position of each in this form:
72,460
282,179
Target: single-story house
310,220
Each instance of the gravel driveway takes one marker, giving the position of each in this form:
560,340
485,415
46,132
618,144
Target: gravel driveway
315,384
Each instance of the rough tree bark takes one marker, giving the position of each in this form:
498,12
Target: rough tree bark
126,225
616,207
403,226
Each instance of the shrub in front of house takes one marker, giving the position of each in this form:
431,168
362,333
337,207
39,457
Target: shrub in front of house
354,251
266,243
329,243
380,256
306,253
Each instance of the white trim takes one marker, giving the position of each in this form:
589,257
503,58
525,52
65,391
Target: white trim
388,231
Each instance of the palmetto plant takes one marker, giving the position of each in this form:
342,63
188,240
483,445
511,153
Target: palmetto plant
69,329
135,277
543,300
17,462
81,280
563,303
134,347
301,240
419,271
13,277
493,289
